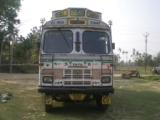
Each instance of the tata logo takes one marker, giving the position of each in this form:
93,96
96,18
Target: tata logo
77,64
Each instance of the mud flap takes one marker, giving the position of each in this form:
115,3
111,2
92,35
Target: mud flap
106,100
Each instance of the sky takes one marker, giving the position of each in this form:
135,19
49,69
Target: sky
131,19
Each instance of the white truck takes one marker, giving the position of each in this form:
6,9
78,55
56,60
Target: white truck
156,69
76,58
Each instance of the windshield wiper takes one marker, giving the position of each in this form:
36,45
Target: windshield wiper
64,38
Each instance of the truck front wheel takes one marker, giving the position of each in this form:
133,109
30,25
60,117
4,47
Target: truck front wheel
103,102
48,108
48,103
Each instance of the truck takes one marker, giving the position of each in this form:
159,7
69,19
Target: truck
76,58
156,70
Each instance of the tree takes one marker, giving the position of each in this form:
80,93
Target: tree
27,50
34,38
8,14
8,20
156,60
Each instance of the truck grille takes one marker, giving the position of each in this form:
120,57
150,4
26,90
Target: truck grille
77,82
77,74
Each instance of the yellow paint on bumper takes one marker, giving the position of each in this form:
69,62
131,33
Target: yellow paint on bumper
77,97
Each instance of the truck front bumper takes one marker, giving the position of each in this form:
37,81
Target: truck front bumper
85,90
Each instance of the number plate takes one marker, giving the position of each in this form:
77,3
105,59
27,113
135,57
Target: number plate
106,100
77,97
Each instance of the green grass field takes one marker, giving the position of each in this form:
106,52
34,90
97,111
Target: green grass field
134,99
141,69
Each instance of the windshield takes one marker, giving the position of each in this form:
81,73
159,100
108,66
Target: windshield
95,42
58,41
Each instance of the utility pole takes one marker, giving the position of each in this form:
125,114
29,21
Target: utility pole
146,41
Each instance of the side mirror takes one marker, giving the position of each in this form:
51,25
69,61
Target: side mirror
113,46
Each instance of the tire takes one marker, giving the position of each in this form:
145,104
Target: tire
158,72
48,105
154,71
138,75
48,108
100,106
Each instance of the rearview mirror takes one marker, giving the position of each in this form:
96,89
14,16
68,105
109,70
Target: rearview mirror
113,46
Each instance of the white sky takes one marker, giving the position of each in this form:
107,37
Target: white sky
131,19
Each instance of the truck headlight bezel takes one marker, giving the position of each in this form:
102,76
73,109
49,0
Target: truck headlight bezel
47,79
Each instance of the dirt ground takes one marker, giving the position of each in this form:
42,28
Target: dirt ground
17,77
28,80
134,99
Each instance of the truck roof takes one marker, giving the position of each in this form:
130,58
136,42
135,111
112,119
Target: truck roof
76,17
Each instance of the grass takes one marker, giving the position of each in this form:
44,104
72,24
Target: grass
141,69
152,78
134,99
142,77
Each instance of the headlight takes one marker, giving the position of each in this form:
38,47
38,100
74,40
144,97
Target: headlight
106,79
47,79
